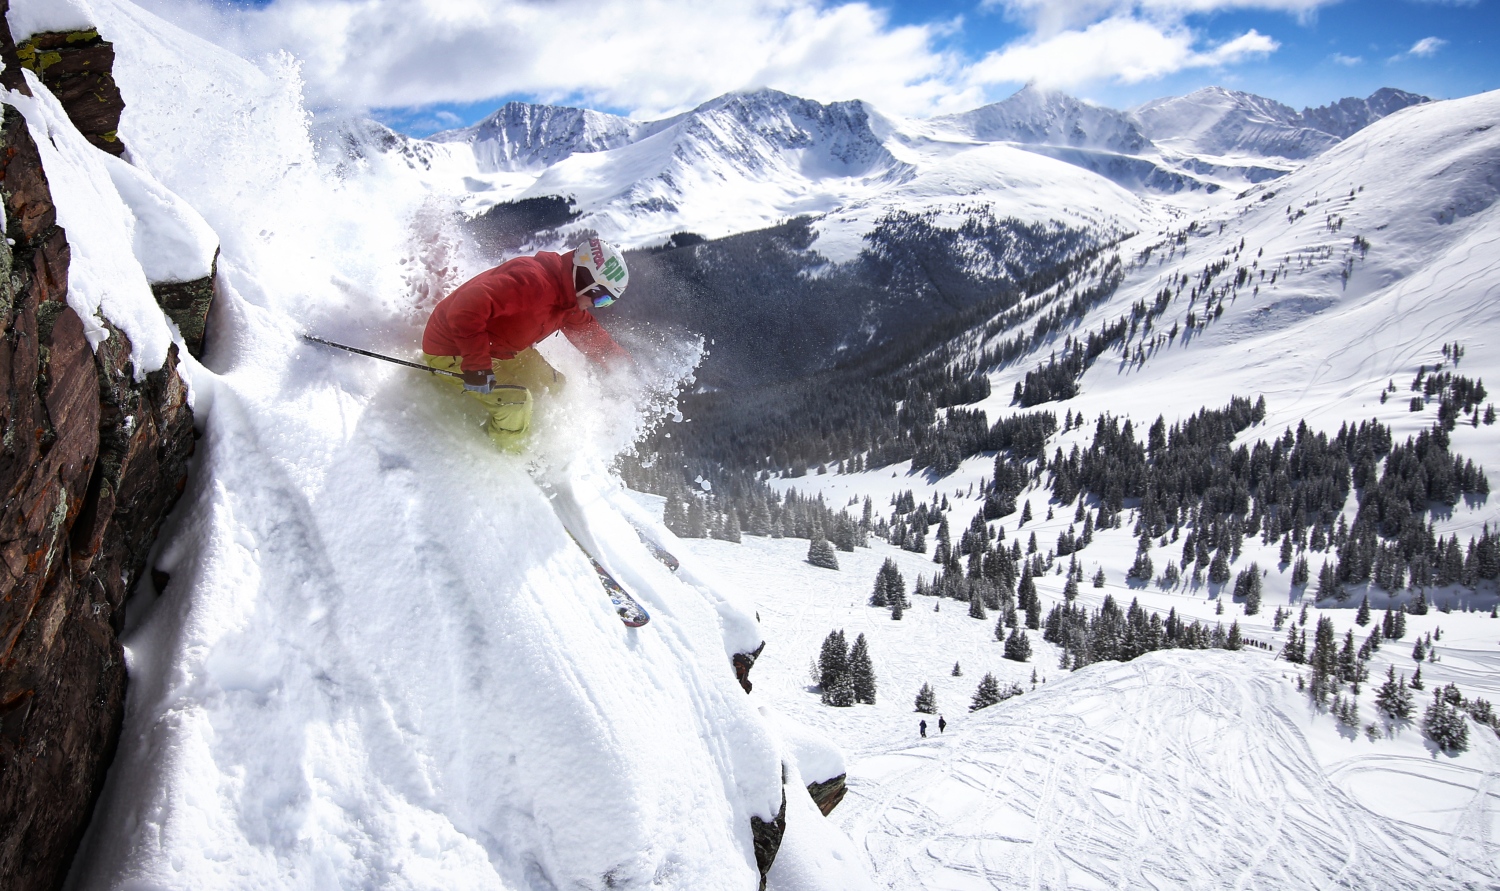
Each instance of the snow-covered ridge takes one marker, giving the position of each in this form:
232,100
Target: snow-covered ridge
748,159
1221,123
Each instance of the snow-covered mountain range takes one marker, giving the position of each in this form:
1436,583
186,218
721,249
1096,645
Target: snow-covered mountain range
746,160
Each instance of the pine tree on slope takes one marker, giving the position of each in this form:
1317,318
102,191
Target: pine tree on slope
987,694
862,672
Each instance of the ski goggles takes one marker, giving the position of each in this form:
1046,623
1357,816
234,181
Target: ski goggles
599,296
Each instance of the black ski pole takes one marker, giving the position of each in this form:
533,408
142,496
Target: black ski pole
417,365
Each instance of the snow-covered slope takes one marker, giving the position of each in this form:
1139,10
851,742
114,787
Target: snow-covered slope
380,661
1321,322
1201,769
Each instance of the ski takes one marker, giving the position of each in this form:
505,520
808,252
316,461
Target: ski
626,606
662,555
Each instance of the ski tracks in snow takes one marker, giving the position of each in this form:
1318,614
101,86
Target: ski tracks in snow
1159,773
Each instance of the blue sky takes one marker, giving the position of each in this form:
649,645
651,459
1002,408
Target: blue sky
422,65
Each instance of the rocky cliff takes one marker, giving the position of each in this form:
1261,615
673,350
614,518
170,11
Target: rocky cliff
91,461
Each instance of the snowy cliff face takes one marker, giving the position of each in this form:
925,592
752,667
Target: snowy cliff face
1048,117
1218,122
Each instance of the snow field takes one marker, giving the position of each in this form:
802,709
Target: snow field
1203,769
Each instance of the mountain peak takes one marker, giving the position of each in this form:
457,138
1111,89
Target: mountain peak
1349,115
1037,115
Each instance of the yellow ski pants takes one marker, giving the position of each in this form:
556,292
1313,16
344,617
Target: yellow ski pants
509,403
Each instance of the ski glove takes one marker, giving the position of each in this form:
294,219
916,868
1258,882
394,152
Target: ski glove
479,381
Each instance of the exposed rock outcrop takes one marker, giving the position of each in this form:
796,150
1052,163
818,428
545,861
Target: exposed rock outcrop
78,67
767,835
743,662
188,304
91,461
828,793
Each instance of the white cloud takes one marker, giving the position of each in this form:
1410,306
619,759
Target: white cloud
656,57
1049,17
649,59
1427,46
1347,61
1124,49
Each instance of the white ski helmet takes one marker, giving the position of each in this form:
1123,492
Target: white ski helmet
605,264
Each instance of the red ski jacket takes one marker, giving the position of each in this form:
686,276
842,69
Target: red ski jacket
501,312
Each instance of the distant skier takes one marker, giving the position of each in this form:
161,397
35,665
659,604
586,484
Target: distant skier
942,724
488,328
922,726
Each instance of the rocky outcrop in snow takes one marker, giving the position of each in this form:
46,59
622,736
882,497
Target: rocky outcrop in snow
91,462
76,66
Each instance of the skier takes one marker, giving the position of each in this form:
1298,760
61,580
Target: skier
489,326
942,724
922,727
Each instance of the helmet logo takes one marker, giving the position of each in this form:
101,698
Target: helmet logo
613,270
597,251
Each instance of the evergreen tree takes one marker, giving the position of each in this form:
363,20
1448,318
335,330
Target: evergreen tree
1348,669
1300,572
926,700
1248,586
986,695
1419,650
842,695
1018,646
674,515
1234,641
1393,698
958,671
862,672
1296,646
976,605
833,662
697,519
898,609
1446,725
760,518
1218,570
1362,618
820,553
1142,569
1328,584
1324,661
1099,578
1416,679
